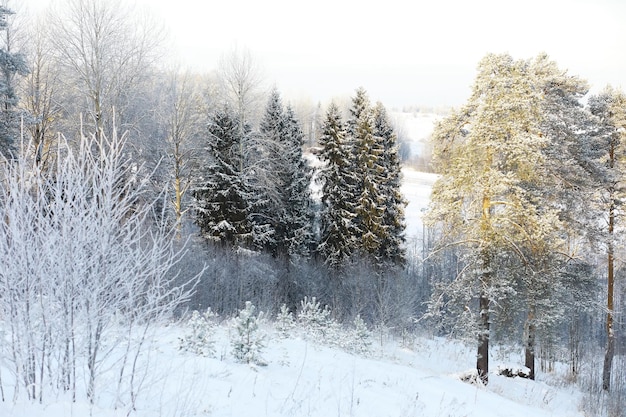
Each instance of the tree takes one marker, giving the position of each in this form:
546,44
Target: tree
39,93
609,108
180,115
11,64
281,176
222,197
241,79
392,249
105,53
494,198
338,233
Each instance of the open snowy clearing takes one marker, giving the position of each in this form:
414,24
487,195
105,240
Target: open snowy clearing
304,378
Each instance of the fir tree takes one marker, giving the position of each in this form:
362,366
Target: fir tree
392,249
11,64
338,230
222,202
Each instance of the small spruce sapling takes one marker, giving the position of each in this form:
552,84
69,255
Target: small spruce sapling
199,340
248,340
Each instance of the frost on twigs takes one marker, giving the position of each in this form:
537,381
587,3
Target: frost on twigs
248,340
200,336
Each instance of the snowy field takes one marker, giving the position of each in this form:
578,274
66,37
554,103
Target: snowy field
303,378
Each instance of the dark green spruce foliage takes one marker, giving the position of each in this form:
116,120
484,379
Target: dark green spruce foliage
338,233
222,199
285,214
11,64
363,208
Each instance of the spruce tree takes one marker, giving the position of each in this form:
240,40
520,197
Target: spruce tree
392,249
299,214
11,64
370,173
338,235
286,212
222,198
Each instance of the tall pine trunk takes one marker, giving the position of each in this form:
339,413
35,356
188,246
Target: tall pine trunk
529,344
610,332
482,359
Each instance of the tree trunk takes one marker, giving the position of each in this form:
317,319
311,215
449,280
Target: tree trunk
482,361
610,332
529,346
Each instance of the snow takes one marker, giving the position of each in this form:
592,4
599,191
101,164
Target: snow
304,378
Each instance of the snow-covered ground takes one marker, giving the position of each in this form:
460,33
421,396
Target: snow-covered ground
303,378
418,377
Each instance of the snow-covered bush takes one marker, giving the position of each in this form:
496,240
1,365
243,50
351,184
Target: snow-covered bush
201,330
248,340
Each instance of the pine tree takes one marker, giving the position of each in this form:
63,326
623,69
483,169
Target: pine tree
222,198
338,235
495,195
609,107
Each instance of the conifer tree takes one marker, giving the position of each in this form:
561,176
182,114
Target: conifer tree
222,198
338,233
298,174
495,197
11,64
370,173
609,107
286,212
393,244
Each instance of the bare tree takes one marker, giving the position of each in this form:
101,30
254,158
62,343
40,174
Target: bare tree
242,82
105,50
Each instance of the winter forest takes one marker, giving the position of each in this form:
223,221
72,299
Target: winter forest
152,211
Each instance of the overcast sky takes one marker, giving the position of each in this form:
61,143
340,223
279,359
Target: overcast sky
403,52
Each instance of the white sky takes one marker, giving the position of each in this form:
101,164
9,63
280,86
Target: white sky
403,52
